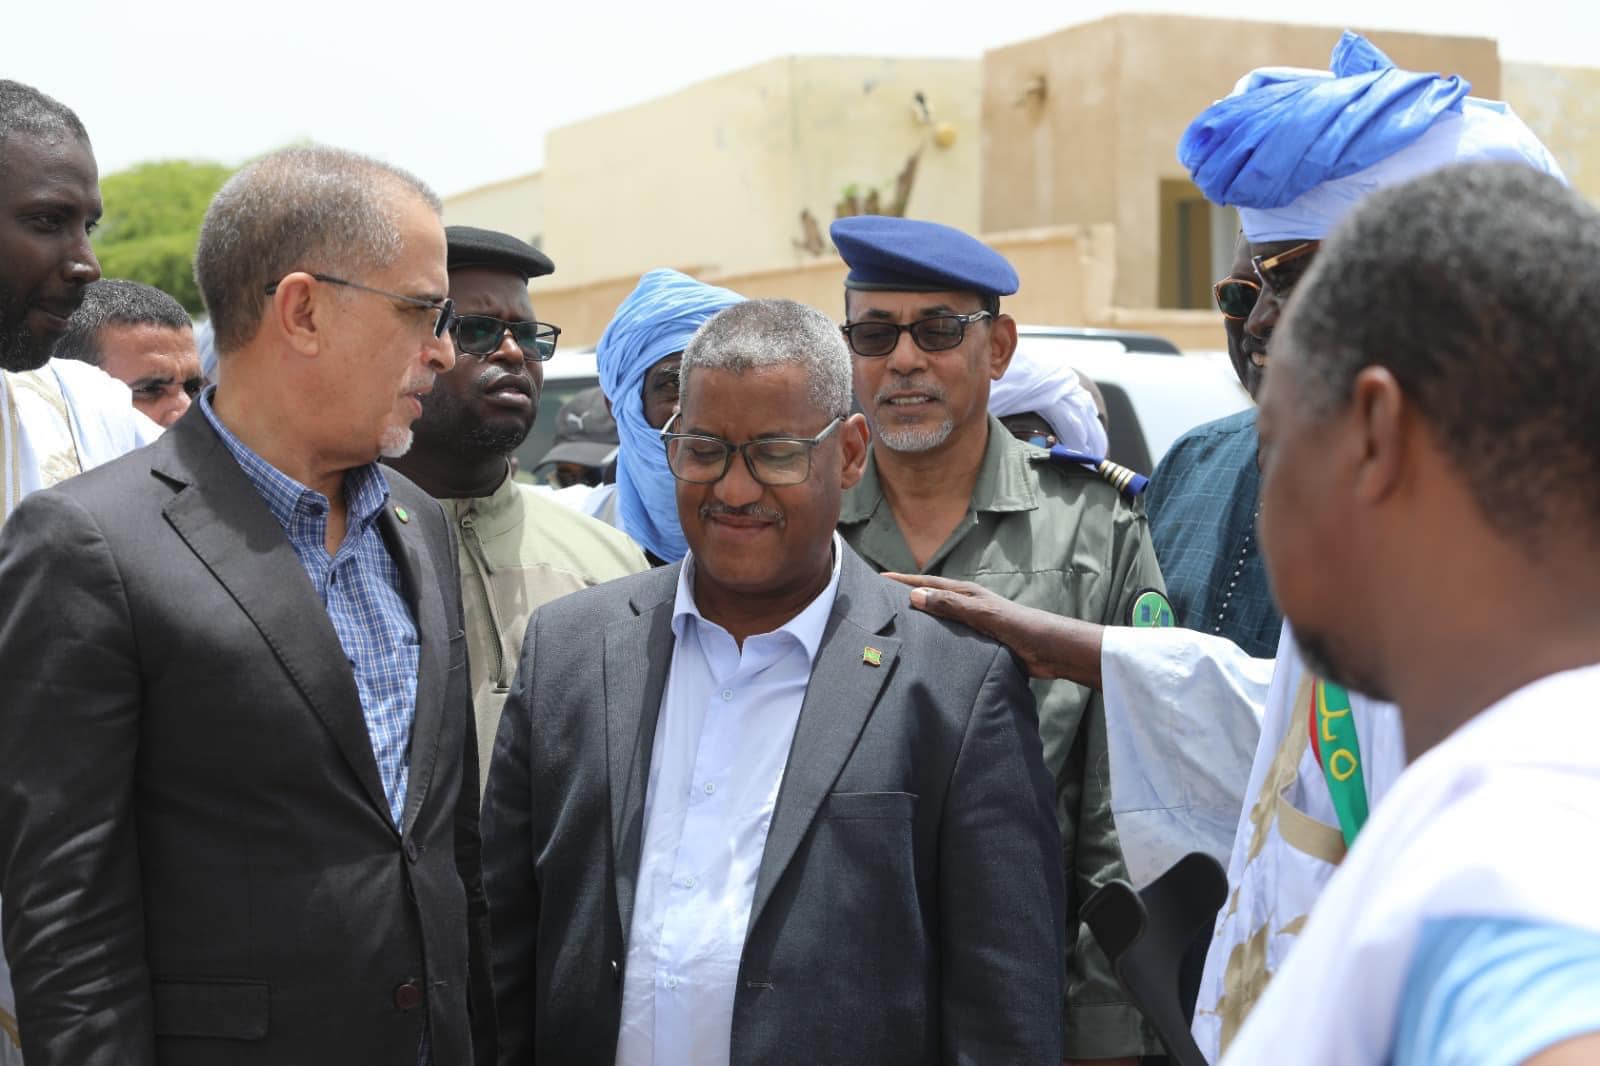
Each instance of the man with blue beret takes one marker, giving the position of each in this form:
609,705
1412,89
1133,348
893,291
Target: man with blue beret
949,492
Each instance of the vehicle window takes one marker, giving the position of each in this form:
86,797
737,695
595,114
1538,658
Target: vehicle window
1124,433
543,435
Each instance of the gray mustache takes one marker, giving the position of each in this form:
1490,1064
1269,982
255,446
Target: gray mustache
749,510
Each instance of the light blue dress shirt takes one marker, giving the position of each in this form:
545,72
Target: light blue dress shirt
361,588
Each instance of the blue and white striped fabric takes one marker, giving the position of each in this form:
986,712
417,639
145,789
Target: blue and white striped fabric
361,589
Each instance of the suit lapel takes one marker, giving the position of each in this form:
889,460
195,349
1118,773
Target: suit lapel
844,688
634,686
420,581
220,516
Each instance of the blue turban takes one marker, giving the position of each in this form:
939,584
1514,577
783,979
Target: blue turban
658,318
1284,131
1296,150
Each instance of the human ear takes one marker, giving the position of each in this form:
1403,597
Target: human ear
853,443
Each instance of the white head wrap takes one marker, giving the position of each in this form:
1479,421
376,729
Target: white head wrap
1050,388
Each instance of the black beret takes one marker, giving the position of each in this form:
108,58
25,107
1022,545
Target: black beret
470,246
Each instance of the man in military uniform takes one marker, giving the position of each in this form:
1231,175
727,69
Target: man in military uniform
518,549
947,491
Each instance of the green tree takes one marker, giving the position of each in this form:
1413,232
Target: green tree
152,223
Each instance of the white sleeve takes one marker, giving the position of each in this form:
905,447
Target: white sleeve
1183,717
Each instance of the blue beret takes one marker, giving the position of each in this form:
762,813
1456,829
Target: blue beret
909,255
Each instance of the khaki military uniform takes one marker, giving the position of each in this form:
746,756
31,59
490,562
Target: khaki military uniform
1059,538
519,550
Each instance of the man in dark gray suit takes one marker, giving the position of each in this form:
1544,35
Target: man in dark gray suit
769,814
237,813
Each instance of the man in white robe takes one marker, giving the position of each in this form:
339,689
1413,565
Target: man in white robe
1429,411
58,418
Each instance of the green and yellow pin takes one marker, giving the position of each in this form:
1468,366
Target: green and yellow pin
871,656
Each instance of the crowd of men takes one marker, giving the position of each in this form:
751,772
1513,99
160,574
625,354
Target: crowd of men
806,732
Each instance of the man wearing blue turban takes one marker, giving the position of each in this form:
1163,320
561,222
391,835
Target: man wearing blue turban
651,328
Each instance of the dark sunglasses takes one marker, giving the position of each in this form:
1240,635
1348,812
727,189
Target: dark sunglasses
1275,271
937,334
480,335
1236,297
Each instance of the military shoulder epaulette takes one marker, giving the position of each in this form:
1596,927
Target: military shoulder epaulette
1120,477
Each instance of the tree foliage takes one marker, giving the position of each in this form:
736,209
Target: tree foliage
152,223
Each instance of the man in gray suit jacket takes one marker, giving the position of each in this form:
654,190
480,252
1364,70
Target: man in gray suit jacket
753,809
237,765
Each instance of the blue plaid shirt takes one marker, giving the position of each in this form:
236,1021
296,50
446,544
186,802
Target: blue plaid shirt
1202,504
360,587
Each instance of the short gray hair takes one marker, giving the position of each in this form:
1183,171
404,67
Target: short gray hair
308,208
116,302
769,333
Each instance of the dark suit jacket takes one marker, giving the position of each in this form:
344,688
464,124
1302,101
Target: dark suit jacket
199,864
908,907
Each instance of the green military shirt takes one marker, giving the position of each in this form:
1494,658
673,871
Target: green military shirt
519,549
1061,539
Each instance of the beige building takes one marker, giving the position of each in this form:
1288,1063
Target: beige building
721,176
1060,150
514,206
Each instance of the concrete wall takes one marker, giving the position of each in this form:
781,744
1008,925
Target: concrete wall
1119,92
514,206
1562,106
720,171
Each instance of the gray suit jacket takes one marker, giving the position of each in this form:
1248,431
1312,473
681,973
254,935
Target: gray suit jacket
908,907
199,864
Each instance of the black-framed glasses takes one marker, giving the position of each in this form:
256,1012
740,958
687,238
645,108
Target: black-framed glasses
480,335
777,461
445,307
938,333
1236,297
1280,272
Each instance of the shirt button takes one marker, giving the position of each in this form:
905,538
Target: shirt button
727,694
689,882
711,788
672,982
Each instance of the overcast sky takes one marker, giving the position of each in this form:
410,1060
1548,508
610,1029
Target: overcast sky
463,91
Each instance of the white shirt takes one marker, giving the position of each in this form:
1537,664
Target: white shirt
726,723
1498,821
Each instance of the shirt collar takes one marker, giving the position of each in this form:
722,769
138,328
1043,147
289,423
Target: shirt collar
366,489
805,627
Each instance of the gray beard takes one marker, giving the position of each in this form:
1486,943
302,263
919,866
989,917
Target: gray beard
916,439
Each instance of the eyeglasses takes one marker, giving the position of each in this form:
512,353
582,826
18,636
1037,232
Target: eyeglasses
445,307
480,335
771,460
937,334
1236,297
1272,269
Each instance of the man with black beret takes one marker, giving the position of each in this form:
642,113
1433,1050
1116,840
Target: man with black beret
948,492
517,549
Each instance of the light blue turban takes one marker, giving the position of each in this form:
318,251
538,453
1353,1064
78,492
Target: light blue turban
658,318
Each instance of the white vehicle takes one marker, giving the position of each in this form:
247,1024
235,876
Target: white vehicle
1153,392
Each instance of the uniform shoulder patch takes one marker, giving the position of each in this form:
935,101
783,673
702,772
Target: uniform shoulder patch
1125,481
1151,610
